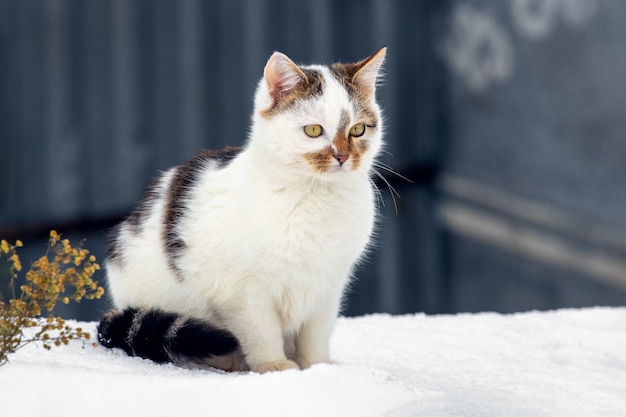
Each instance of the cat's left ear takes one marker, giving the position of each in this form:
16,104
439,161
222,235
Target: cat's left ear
281,75
368,71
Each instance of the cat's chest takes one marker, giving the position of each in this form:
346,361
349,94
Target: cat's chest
310,250
280,231
320,222
296,248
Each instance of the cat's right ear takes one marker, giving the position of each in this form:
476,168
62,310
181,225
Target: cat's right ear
281,75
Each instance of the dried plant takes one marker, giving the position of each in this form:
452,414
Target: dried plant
63,274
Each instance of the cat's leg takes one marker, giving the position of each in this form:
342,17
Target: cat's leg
261,338
234,362
312,342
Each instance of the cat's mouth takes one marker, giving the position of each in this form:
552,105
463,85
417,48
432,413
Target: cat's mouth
339,169
345,167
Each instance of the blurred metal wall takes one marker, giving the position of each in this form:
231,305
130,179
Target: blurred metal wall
534,184
500,122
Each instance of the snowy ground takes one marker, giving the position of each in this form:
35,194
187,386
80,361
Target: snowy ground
563,363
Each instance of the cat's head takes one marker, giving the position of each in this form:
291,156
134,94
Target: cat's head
316,120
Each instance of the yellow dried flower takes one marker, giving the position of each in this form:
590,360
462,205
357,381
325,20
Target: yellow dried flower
16,262
44,286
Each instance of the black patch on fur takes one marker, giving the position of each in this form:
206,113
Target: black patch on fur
142,212
222,156
146,338
114,252
197,339
161,337
184,179
113,329
314,82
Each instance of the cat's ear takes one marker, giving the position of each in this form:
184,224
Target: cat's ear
368,71
281,75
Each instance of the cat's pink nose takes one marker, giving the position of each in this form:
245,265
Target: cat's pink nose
341,157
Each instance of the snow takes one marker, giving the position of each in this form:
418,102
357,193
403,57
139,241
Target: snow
559,363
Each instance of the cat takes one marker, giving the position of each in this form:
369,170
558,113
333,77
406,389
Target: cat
238,259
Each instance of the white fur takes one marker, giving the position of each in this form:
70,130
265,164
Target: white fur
270,243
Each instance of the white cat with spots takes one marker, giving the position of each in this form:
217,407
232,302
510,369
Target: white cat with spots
256,243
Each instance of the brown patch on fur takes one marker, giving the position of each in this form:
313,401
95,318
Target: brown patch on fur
183,182
342,141
362,145
309,87
321,160
361,96
367,116
344,73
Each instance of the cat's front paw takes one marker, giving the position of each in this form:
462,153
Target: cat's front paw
307,363
281,365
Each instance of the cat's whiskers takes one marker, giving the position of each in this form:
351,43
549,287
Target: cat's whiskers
315,182
379,195
304,170
392,190
387,168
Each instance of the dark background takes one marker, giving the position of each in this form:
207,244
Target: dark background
508,116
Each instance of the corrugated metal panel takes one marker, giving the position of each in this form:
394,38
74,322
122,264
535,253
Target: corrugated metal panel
103,93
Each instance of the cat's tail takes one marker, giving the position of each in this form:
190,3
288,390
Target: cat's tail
164,337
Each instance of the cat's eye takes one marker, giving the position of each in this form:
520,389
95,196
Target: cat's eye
357,130
313,131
